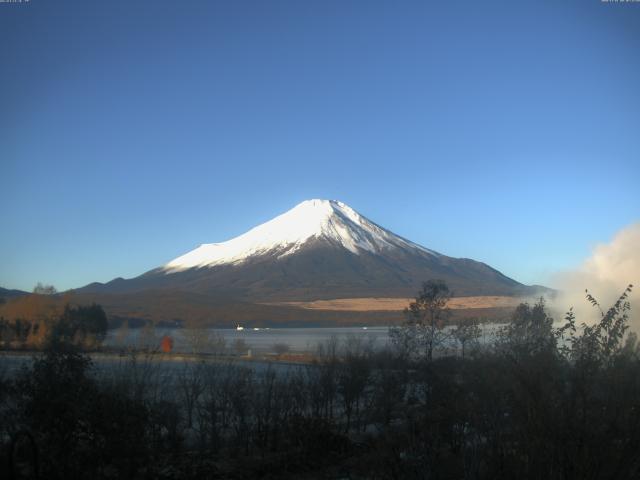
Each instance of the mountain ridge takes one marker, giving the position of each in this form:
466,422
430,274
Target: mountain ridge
11,293
320,249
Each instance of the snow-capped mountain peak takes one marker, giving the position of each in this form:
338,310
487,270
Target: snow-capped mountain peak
329,220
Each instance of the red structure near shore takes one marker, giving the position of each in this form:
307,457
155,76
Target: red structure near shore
166,344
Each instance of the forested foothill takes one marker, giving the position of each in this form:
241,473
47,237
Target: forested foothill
542,400
82,325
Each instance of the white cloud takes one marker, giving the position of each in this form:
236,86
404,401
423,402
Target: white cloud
606,273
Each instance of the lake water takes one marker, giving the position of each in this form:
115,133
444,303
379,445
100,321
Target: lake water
262,341
255,342
297,340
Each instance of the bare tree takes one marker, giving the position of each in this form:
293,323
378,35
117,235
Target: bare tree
467,333
203,340
354,373
280,348
191,387
425,319
147,338
43,289
240,346
122,334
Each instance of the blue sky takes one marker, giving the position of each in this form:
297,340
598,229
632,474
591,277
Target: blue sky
130,132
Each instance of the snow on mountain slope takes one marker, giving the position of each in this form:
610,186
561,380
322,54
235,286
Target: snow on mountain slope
318,250
312,219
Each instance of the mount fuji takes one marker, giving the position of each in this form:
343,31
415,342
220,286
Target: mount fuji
320,249
328,221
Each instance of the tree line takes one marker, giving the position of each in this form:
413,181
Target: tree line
84,326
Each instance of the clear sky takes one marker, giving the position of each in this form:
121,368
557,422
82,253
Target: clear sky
132,131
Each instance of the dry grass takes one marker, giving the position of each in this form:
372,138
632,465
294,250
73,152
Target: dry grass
398,304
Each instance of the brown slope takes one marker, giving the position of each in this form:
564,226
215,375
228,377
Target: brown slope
321,270
191,309
195,310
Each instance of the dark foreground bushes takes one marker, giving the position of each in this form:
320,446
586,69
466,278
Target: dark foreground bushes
539,403
80,428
